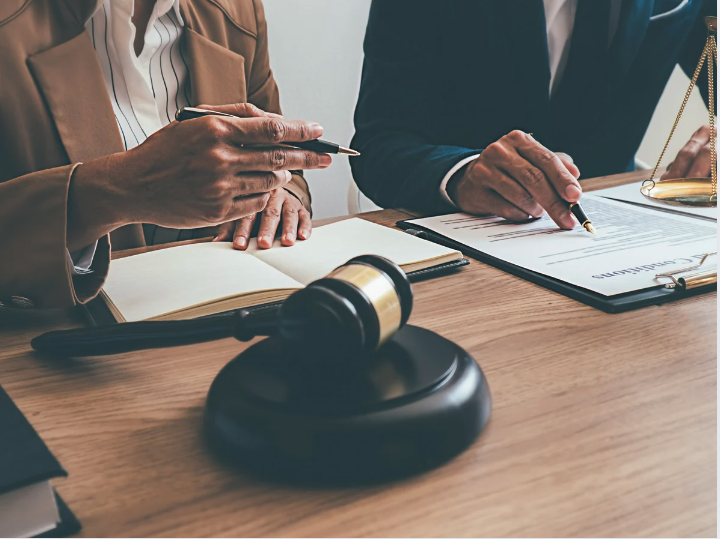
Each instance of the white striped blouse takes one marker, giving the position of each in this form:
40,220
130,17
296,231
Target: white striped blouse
145,90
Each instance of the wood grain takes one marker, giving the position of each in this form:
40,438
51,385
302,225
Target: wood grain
603,425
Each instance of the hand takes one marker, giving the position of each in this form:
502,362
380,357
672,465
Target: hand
693,160
190,174
517,178
282,206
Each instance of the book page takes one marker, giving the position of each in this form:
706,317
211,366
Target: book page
631,194
633,244
332,245
160,282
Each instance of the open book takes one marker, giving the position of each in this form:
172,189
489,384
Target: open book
208,278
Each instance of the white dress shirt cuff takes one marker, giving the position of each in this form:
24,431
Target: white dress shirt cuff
82,260
449,175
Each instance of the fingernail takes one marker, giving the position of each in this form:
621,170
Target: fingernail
264,239
288,176
289,237
316,130
325,160
302,234
241,242
572,192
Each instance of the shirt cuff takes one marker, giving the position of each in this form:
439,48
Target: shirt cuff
82,260
449,175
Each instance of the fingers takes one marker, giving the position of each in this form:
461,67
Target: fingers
564,183
243,110
243,230
304,224
680,167
263,130
224,232
535,182
244,206
279,159
271,219
253,183
502,208
569,164
518,196
702,166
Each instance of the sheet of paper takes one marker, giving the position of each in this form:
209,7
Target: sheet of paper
332,245
633,244
164,281
631,193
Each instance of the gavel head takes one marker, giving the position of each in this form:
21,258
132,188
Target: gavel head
351,312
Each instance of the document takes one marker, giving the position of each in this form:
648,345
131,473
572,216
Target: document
633,244
631,194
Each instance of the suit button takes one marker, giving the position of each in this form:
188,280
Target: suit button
21,302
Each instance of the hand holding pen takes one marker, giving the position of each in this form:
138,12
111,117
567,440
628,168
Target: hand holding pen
516,177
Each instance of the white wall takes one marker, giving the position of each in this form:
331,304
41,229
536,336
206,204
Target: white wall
316,54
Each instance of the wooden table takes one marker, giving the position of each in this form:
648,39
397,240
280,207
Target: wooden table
603,425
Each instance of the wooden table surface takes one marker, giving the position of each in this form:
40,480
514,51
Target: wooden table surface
603,425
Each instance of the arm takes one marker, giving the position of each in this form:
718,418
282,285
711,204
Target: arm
34,260
399,120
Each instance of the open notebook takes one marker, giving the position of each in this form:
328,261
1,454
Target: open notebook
208,278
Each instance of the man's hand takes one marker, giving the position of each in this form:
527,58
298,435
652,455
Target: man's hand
517,178
282,206
190,174
693,160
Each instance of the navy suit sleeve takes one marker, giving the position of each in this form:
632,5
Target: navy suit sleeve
399,119
693,48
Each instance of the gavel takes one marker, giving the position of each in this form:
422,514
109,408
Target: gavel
351,312
343,390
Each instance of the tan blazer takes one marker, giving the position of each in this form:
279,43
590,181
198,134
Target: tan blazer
55,112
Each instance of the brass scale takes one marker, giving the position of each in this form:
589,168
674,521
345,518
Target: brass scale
693,192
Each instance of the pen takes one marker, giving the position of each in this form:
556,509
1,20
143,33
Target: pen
318,145
579,214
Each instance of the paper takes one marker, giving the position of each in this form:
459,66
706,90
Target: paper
160,282
633,244
631,193
332,245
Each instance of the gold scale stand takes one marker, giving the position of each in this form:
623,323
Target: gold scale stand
699,192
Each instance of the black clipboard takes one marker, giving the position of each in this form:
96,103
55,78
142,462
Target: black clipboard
619,303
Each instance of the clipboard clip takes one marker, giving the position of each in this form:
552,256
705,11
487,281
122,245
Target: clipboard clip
691,280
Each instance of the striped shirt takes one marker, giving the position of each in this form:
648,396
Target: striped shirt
145,90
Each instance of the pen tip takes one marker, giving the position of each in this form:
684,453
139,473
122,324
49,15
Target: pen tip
348,151
590,229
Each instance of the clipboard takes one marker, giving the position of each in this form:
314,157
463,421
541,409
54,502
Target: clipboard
680,287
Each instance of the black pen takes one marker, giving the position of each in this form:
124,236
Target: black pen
318,145
579,214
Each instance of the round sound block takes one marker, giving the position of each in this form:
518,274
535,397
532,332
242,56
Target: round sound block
416,403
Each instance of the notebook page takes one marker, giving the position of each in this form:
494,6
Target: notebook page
159,282
633,244
332,245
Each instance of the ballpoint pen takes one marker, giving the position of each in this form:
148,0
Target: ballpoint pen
318,145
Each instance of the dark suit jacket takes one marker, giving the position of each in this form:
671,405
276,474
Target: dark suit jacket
442,80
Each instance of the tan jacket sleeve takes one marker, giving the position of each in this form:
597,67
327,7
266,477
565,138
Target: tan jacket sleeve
263,93
34,261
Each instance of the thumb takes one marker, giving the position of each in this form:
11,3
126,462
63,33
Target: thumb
241,110
569,164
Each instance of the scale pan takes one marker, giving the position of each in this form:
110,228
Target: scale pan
696,192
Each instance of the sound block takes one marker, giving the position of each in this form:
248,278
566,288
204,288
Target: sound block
414,404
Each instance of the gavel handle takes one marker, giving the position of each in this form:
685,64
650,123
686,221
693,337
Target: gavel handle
130,336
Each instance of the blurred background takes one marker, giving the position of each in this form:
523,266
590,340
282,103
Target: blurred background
316,54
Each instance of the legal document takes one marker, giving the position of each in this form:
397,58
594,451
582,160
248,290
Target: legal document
633,244
631,194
